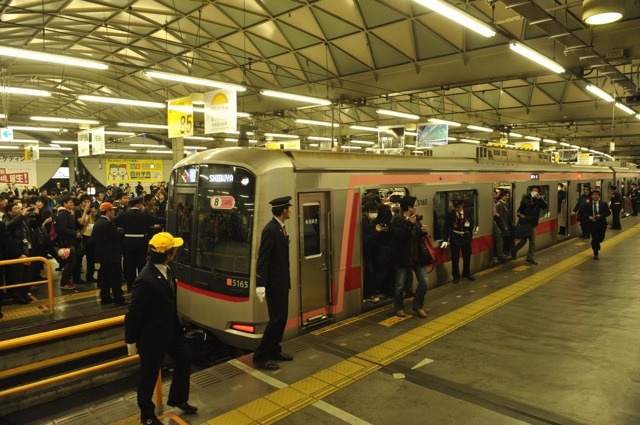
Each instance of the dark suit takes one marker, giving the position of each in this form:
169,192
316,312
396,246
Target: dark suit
136,224
108,244
633,195
598,227
582,201
458,231
616,208
272,273
152,323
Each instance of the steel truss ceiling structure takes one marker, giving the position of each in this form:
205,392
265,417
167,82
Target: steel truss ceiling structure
361,54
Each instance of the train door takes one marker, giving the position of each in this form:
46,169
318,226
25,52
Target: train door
564,209
315,257
179,224
507,187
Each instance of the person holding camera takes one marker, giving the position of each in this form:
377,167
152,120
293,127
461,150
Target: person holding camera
86,217
407,232
458,233
529,213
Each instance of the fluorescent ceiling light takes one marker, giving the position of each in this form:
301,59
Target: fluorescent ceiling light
47,129
351,148
584,149
600,93
55,145
9,147
638,116
439,121
516,135
565,144
53,148
196,148
532,138
550,141
142,125
65,142
243,115
458,16
575,146
321,139
410,146
231,139
362,142
159,151
47,57
299,98
451,139
198,138
397,114
120,150
479,128
536,57
313,145
470,141
313,122
625,108
142,145
26,92
24,141
119,101
119,133
282,135
3,116
66,120
363,128
410,133
193,80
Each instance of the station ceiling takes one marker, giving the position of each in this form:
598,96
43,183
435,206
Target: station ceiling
361,54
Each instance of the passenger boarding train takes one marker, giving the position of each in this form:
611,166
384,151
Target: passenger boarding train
219,203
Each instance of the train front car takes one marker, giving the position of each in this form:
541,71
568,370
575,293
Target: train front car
215,207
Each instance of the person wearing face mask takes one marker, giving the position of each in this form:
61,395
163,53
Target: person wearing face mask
370,231
529,213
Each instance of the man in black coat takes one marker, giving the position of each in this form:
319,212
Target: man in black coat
458,233
136,224
596,212
69,237
616,208
634,196
152,329
529,213
585,198
273,280
108,243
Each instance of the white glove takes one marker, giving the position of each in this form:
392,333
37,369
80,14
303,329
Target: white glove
443,245
260,292
132,349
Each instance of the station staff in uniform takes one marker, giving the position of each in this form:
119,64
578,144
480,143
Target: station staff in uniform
274,282
633,195
616,208
458,233
597,212
136,224
152,329
108,243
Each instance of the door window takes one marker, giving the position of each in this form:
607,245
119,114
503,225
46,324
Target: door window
311,231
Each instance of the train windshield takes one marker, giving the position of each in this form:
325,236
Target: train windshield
225,207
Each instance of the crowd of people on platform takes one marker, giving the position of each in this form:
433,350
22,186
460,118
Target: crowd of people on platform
108,226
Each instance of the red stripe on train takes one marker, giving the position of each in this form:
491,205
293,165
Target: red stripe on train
212,294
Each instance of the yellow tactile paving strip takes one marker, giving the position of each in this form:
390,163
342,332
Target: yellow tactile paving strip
297,395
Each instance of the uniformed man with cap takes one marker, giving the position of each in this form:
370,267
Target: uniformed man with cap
108,243
152,329
458,233
136,224
616,208
274,282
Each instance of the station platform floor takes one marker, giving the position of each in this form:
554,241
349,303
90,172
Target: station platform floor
555,343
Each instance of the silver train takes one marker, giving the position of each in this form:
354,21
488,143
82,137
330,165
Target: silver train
218,202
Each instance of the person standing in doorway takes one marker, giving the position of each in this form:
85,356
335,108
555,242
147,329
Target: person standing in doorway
616,208
585,198
458,233
529,213
633,196
274,282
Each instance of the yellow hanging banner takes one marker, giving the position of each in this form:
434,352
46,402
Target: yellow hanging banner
180,117
133,171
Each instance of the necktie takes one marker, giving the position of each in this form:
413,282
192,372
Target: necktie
284,230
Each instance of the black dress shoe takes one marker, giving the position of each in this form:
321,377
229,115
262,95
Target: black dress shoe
151,421
106,301
121,301
266,364
282,356
185,407
532,261
471,277
456,279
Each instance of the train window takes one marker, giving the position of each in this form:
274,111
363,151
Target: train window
544,194
181,216
224,221
443,203
311,231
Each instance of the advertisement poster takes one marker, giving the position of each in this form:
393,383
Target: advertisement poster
13,169
391,138
430,135
133,171
220,111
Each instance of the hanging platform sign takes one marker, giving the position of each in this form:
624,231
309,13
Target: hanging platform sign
220,111
84,148
180,117
97,141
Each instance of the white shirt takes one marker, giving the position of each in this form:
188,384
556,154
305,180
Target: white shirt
163,269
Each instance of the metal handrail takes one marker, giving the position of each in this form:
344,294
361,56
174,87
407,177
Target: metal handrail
49,280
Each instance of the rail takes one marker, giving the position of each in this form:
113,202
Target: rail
59,333
27,261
